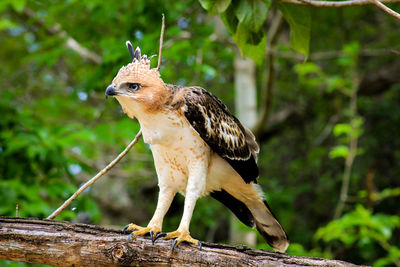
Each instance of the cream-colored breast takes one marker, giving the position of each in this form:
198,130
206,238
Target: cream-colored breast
176,146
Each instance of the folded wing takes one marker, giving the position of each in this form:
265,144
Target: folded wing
222,131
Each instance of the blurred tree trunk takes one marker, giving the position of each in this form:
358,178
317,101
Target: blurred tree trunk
246,111
64,244
245,90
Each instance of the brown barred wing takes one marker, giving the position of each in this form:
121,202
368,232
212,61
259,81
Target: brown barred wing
221,131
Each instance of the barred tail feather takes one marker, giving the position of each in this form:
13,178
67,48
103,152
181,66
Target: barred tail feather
256,212
269,227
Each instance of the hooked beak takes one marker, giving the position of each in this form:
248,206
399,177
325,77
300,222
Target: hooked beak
110,91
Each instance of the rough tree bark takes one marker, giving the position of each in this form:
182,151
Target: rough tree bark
65,244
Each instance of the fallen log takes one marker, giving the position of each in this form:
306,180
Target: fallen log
61,243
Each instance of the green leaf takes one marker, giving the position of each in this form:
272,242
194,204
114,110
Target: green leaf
250,44
352,49
339,152
230,20
215,6
252,13
299,19
342,128
307,68
244,20
335,82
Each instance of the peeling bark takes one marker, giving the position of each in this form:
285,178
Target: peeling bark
65,244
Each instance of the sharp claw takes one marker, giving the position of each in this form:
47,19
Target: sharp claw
125,228
131,235
200,245
158,236
174,244
151,236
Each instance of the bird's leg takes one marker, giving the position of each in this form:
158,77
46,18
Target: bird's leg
196,185
165,198
182,233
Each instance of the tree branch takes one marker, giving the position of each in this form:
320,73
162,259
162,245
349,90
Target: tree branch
64,244
387,9
346,3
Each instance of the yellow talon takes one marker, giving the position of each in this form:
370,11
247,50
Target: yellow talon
181,237
137,230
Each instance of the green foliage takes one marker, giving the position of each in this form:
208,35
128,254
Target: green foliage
32,161
215,7
359,222
329,89
244,19
363,229
299,19
339,151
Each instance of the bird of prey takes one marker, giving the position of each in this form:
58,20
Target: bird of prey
199,148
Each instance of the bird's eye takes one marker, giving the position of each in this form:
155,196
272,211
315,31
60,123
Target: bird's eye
134,86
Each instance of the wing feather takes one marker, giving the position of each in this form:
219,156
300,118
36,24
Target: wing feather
222,131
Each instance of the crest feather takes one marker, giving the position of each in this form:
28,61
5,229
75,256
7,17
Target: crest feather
137,55
130,48
139,68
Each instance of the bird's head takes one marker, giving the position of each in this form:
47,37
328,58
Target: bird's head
137,87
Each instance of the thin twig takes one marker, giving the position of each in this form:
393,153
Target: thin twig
95,178
353,144
346,3
161,42
387,9
346,177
